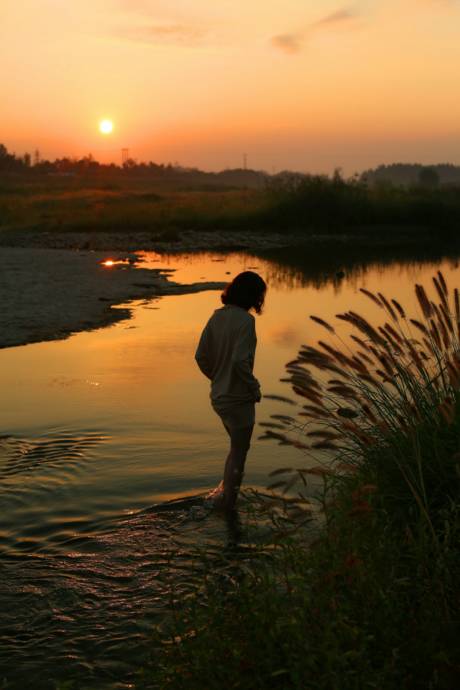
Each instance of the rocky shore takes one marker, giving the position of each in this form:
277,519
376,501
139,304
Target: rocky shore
167,242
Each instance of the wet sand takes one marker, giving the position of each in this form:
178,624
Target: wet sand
48,294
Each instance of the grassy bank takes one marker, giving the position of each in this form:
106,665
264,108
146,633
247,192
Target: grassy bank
374,601
127,206
304,205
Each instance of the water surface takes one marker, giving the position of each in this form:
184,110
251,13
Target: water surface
99,431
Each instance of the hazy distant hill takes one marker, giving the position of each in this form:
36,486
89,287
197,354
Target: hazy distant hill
409,173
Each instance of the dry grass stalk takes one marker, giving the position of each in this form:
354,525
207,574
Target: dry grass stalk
420,326
323,433
314,412
395,339
443,283
364,357
388,307
399,308
344,392
447,318
360,342
363,325
441,292
371,296
309,395
423,300
323,323
434,332
324,445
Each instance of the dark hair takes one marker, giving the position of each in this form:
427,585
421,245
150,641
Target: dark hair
247,290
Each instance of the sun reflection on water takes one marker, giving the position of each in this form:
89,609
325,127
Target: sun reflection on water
108,263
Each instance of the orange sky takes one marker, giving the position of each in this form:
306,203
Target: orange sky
302,84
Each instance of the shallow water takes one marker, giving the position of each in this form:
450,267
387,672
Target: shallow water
99,431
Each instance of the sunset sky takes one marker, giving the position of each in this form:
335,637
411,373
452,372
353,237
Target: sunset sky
301,84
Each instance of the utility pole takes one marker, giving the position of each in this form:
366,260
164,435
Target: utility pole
124,156
245,161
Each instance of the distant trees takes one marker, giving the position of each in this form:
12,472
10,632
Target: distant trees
11,163
36,165
384,177
413,174
428,178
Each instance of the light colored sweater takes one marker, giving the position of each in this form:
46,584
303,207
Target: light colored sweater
226,354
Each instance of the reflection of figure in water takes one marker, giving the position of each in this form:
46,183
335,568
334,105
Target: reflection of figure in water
225,355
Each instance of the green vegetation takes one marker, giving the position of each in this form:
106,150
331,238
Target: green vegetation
373,601
128,206
164,201
336,205
409,174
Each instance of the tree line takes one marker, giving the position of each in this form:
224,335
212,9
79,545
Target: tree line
396,174
67,166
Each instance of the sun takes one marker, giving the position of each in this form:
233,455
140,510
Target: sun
106,126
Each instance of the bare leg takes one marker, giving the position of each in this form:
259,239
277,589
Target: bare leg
240,440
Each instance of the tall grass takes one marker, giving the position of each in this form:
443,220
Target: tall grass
336,205
370,599
386,396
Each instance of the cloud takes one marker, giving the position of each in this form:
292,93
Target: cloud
344,15
292,43
160,34
288,43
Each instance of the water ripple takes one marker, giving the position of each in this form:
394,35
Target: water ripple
87,612
19,456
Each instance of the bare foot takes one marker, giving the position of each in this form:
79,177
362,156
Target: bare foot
215,493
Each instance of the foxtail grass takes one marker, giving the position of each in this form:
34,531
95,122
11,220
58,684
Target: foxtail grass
385,398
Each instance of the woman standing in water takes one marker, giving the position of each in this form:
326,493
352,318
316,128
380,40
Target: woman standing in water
225,355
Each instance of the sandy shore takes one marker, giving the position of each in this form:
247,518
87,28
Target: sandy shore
47,294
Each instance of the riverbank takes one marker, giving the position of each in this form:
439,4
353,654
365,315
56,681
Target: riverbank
126,241
196,241
48,294
305,206
55,283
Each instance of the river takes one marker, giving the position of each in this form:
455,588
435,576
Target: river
106,438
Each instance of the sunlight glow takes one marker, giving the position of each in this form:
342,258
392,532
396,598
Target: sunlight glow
312,85
106,126
115,262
